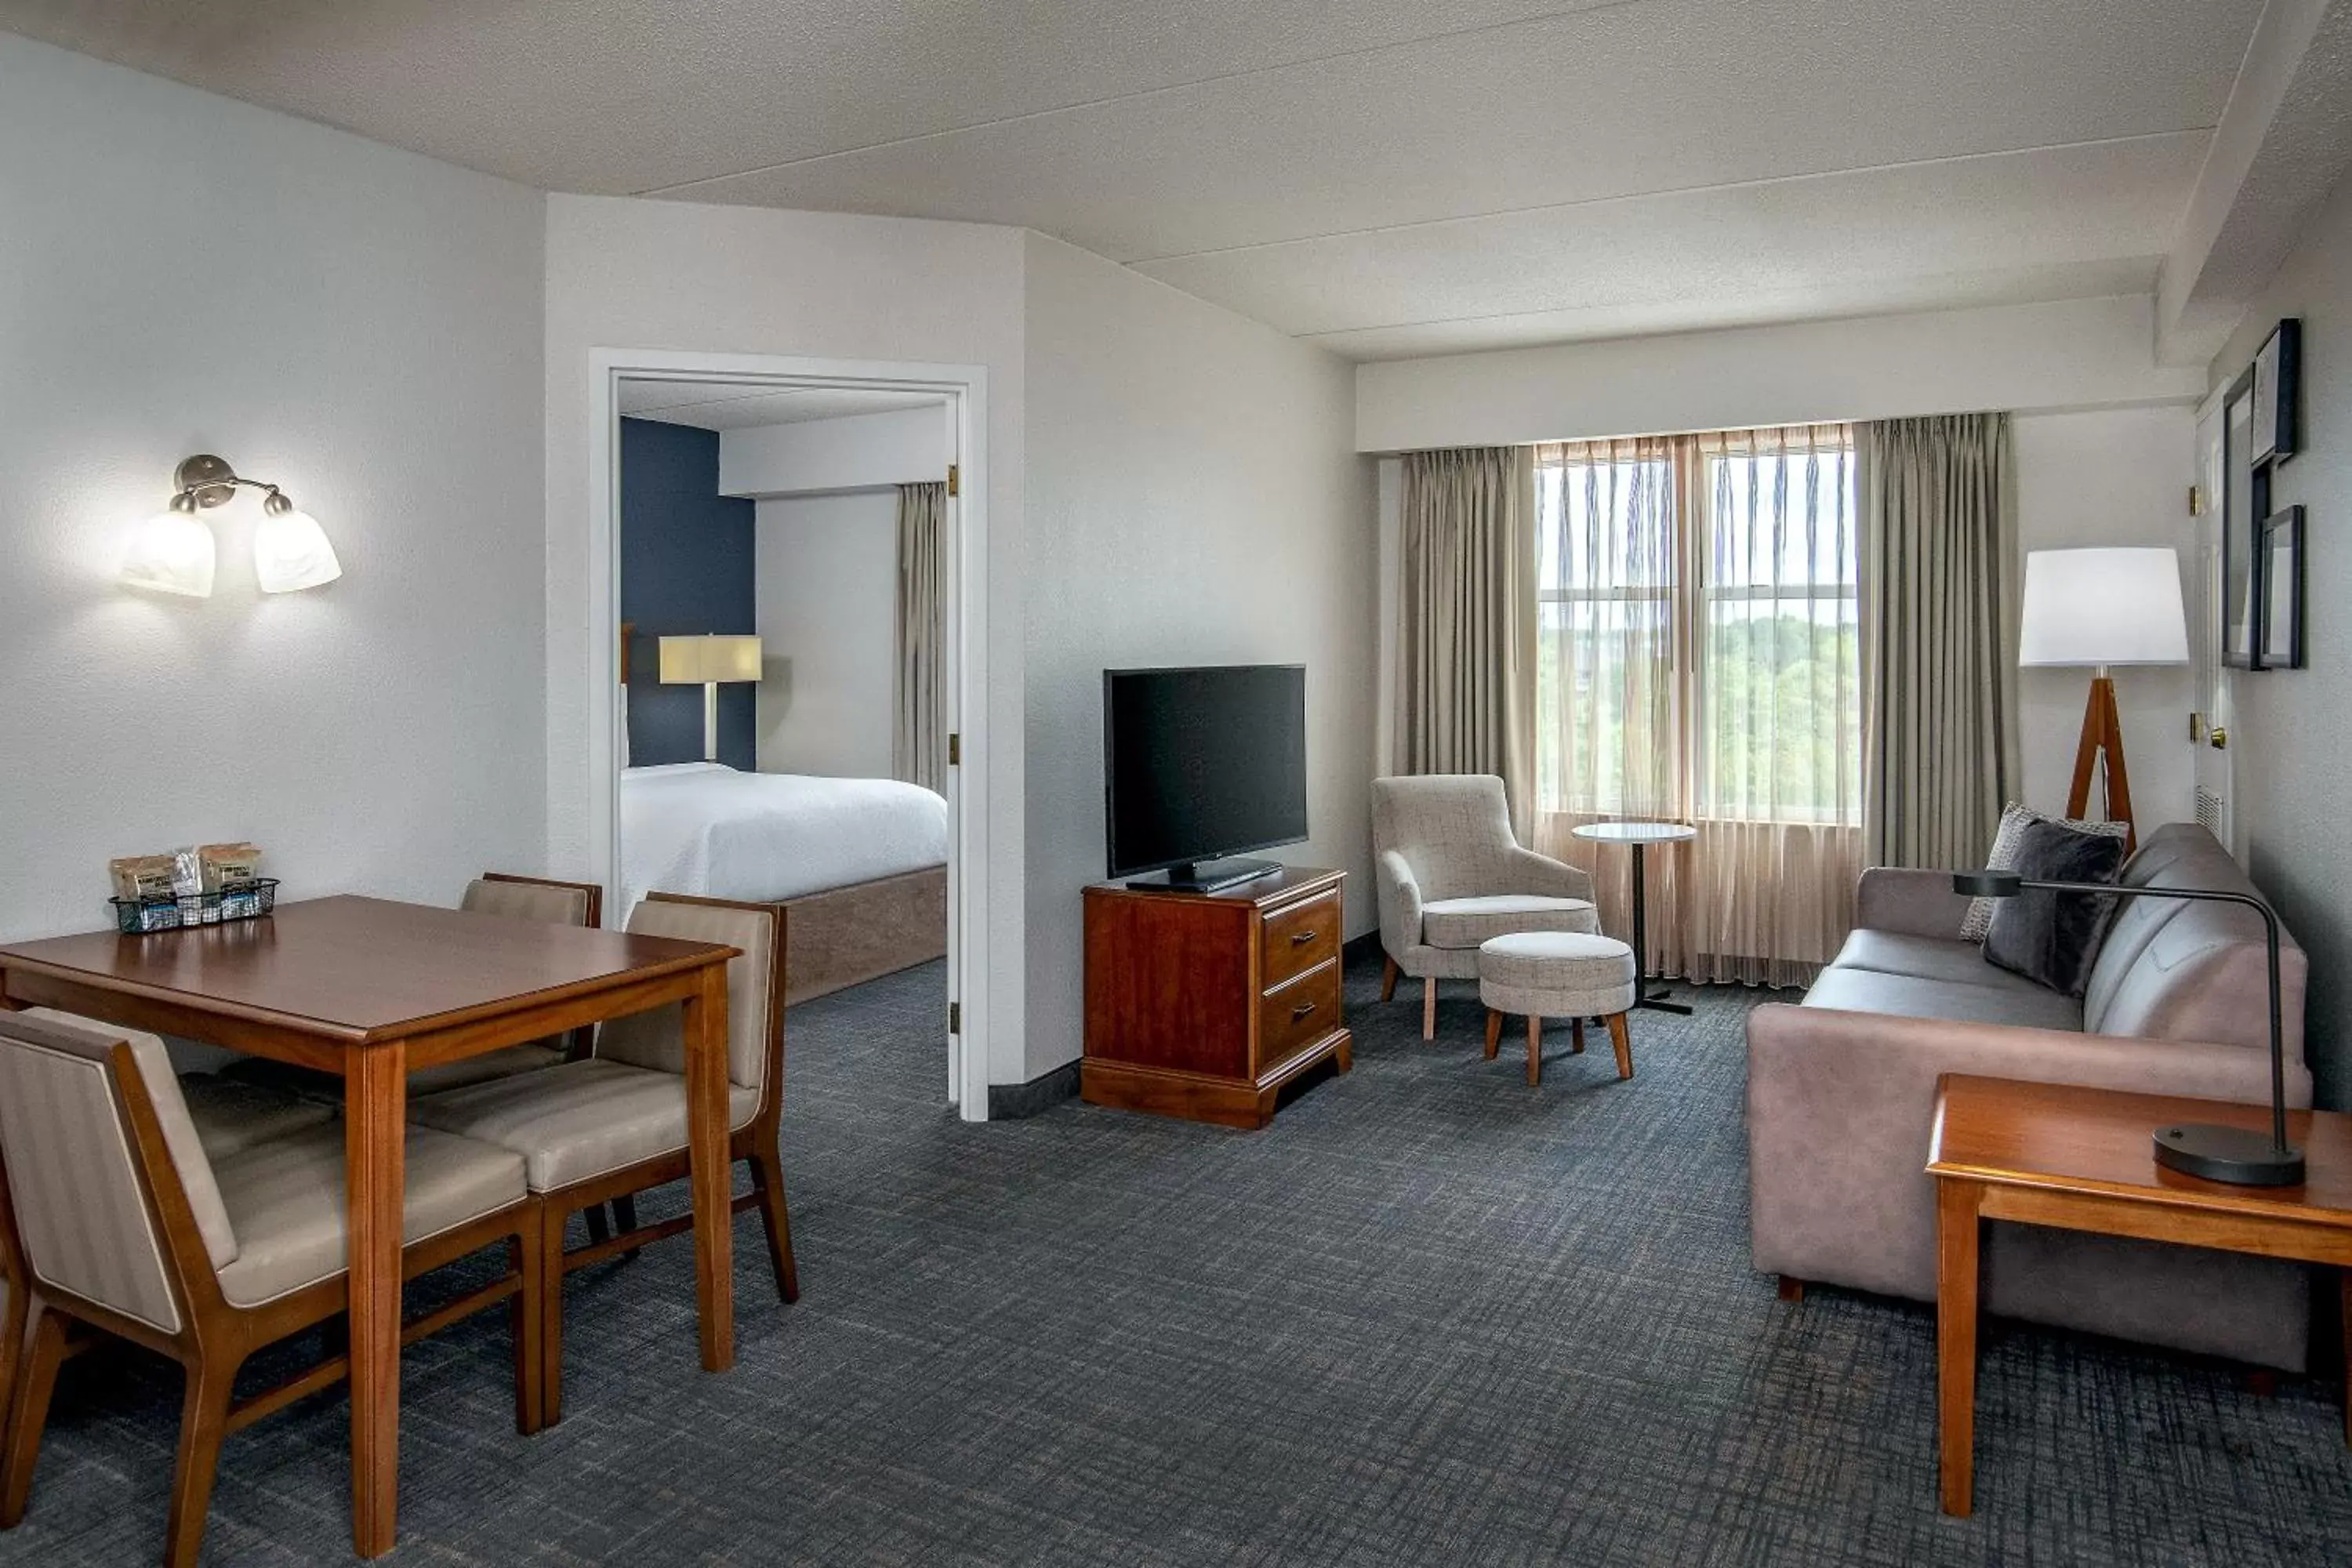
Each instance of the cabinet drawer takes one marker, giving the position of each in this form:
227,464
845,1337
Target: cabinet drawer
1294,1016
1299,937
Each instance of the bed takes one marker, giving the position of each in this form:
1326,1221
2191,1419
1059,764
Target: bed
860,864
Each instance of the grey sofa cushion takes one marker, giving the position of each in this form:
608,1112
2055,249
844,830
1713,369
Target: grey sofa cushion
1909,997
1927,958
2054,938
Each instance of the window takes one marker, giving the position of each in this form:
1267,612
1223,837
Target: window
1698,635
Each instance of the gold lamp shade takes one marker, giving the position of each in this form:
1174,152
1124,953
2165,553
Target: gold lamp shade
705,661
698,661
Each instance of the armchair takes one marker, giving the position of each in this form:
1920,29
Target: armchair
1449,875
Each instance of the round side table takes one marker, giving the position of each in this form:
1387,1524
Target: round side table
1640,836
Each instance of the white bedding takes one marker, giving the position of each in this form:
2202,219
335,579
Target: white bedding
705,828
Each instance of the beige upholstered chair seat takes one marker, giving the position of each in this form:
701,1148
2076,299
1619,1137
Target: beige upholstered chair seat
233,1114
1472,921
467,1071
286,1200
576,1121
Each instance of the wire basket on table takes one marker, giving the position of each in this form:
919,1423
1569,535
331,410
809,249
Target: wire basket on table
233,901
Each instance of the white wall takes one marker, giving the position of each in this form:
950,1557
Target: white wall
2110,477
828,585
181,273
898,447
2291,731
2080,354
1192,499
626,274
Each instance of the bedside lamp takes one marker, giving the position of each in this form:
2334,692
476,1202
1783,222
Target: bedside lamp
2231,1154
705,661
2103,608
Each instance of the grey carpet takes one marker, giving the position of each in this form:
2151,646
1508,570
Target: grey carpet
1431,1316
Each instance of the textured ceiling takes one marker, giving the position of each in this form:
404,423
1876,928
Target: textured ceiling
1393,176
735,405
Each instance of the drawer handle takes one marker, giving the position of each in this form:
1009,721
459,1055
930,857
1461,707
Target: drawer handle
1301,938
1301,1011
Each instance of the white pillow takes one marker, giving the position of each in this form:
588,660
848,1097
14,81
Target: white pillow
2004,858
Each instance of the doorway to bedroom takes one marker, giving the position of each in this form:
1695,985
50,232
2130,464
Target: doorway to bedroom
788,641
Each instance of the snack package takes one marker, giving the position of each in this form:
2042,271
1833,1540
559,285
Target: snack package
138,877
227,863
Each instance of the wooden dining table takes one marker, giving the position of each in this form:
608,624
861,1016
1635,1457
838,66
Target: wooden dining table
370,990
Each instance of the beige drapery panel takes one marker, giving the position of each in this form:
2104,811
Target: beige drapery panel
918,735
1465,634
1698,661
1939,636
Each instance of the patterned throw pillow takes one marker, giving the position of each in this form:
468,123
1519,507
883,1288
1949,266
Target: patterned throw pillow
2004,858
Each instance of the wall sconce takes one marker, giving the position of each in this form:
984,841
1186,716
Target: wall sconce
173,550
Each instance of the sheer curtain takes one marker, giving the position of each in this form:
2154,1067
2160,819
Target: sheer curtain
1699,661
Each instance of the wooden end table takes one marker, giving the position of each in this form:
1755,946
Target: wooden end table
2083,1159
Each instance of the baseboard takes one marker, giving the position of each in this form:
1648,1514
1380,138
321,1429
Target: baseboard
1012,1101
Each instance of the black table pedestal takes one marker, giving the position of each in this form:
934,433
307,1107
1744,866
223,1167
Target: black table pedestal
1643,996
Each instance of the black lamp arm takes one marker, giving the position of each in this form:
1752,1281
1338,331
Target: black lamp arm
2271,945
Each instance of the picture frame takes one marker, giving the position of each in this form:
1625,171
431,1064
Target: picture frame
2280,643
2278,393
2241,648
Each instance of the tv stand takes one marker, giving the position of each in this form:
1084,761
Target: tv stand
1206,1006
1209,876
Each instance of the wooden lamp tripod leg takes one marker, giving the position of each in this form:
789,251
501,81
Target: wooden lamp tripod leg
2103,732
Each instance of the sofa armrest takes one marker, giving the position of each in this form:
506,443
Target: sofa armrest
1529,872
1909,902
1839,1109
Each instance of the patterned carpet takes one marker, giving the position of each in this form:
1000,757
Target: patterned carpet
1430,1317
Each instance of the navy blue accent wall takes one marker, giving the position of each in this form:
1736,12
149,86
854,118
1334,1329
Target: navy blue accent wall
687,568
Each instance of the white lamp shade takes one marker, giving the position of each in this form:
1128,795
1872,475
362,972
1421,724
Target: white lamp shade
698,661
291,552
171,553
2103,607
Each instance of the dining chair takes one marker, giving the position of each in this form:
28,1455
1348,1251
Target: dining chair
615,1125
127,1228
500,894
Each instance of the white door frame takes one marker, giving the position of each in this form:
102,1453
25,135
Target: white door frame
965,390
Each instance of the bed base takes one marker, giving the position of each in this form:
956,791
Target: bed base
846,936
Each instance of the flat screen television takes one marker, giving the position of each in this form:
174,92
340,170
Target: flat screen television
1201,765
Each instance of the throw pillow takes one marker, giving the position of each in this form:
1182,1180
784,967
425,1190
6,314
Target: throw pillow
2052,938
2004,858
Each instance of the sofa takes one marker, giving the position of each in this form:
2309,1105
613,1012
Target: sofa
1841,1091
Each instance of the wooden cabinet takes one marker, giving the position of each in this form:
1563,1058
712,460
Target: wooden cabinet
1204,1005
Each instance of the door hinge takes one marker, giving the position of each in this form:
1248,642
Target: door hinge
2195,502
955,1017
955,750
955,478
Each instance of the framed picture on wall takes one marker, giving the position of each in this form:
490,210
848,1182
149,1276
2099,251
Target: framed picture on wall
2282,590
2278,374
2239,527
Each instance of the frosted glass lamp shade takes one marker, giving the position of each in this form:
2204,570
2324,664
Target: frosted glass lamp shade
2105,607
698,661
171,553
291,552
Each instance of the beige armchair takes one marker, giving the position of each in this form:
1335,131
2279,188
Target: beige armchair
1450,875
124,1226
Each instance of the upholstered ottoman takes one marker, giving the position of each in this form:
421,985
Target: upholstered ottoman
1556,975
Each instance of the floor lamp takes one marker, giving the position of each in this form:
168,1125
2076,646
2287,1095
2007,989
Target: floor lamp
705,661
2103,608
